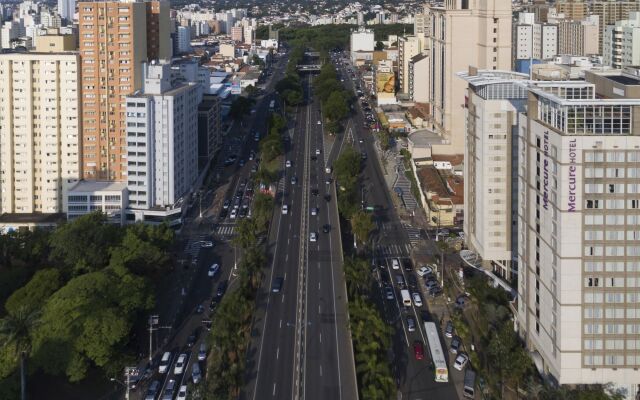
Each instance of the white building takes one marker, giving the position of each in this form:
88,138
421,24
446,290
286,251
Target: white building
578,240
108,197
66,9
621,42
362,40
494,100
408,47
40,111
11,30
533,40
162,142
184,39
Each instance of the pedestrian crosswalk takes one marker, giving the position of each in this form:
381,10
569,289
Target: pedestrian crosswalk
393,250
224,230
193,247
413,233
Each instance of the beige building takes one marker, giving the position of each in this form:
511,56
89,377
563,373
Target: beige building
56,42
408,47
40,130
573,10
463,33
578,37
227,50
115,39
609,12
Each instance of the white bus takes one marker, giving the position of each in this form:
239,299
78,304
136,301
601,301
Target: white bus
437,355
406,297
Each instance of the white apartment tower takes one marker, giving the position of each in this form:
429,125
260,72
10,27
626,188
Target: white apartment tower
361,40
40,126
162,139
494,100
462,33
66,9
621,42
534,41
578,191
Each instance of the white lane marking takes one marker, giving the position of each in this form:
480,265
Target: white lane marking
318,285
278,353
286,258
320,337
320,369
319,309
280,324
282,301
274,389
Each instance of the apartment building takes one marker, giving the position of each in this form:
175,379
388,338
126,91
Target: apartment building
488,22
573,10
532,40
66,9
237,33
209,132
622,42
162,142
609,12
578,37
115,38
361,40
494,100
40,130
578,239
408,47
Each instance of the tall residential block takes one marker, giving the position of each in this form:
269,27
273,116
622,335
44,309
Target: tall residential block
532,40
40,127
578,230
611,11
573,10
463,33
115,38
408,47
578,38
494,100
66,9
621,47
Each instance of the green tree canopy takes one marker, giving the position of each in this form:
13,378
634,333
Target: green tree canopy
347,167
362,225
241,107
262,210
379,46
34,294
336,107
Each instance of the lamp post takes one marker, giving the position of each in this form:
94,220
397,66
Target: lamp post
154,321
128,372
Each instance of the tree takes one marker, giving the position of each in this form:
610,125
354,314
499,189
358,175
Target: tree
379,46
271,147
240,107
347,167
35,293
362,225
16,331
256,60
385,140
293,97
251,91
245,233
142,250
262,210
336,108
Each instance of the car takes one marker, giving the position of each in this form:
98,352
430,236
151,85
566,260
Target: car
424,271
361,140
152,391
317,152
202,352
411,324
314,157
191,340
164,363
319,123
276,286
327,197
294,180
448,330
418,350
388,292
456,342
180,364
328,181
314,192
435,291
182,393
206,244
241,162
251,156
313,237
460,301
226,204
213,270
314,211
234,213
461,361
196,373
245,204
223,214
431,284
222,289
169,389
254,168
285,209
395,263
417,300
199,309
407,264
326,228
413,282
287,164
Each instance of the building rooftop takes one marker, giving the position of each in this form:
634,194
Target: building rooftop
425,138
442,188
625,79
38,218
99,186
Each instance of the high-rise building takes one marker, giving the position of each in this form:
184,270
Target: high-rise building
115,38
420,25
573,10
162,134
408,47
489,23
184,39
66,9
578,238
494,100
611,11
10,31
534,41
209,135
579,38
621,46
361,39
249,34
237,33
40,128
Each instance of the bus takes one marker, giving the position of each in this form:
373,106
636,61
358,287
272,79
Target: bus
437,355
272,104
406,298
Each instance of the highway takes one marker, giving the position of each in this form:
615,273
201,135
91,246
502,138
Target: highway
301,346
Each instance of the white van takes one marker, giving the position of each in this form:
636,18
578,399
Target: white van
164,363
406,297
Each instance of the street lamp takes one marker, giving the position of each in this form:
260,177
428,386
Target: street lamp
128,372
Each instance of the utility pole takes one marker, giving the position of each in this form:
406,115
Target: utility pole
154,321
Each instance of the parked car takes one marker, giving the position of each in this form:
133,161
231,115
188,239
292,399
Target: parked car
222,289
424,271
164,363
417,300
152,391
435,291
191,340
180,364
196,373
448,330
418,350
456,342
202,352
461,361
213,270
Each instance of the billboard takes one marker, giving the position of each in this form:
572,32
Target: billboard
385,82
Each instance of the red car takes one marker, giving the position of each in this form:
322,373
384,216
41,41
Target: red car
418,350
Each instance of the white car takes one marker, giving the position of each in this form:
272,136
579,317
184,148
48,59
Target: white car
234,213
461,361
395,263
313,236
317,152
285,209
319,123
179,368
182,393
202,352
314,211
206,244
424,271
164,363
288,164
213,270
417,300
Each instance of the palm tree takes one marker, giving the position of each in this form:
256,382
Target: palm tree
15,330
